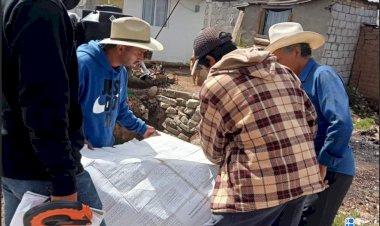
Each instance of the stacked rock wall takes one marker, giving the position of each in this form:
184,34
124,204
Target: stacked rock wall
173,112
182,115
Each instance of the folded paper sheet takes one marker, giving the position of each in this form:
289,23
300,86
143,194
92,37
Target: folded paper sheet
161,180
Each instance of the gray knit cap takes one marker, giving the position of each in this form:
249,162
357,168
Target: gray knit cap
208,39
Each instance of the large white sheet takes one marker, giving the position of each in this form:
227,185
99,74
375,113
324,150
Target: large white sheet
161,180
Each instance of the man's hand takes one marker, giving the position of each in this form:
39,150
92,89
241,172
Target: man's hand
89,145
323,172
151,131
73,197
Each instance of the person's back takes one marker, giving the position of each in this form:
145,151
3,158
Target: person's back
43,132
266,121
36,111
258,126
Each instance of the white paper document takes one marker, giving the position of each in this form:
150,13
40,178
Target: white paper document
161,180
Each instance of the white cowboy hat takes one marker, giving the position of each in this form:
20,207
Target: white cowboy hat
132,31
290,33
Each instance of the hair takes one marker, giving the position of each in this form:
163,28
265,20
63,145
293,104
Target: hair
107,47
305,49
218,53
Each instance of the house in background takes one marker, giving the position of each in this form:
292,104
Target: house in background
338,20
365,71
178,34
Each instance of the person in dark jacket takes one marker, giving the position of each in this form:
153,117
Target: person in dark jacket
42,132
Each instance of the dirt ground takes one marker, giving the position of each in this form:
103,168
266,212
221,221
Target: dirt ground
363,196
184,81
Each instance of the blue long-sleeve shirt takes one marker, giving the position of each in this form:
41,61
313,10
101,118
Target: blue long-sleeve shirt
103,95
326,90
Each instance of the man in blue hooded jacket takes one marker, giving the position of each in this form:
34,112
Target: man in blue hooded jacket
103,80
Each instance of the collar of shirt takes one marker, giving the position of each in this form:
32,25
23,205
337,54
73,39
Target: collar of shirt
306,70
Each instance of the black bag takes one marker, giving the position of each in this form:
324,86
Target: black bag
96,24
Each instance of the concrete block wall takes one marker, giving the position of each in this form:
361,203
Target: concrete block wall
365,72
343,33
221,14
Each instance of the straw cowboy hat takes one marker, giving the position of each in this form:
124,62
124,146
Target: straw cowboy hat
290,33
132,31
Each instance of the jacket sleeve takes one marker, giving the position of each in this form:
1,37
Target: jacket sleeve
334,106
212,138
39,41
83,73
126,116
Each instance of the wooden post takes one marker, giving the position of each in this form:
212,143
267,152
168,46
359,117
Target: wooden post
261,22
237,26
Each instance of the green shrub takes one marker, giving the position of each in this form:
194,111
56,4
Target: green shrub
364,124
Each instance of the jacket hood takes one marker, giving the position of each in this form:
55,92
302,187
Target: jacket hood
94,50
240,58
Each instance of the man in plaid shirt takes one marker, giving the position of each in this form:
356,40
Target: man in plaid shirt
258,125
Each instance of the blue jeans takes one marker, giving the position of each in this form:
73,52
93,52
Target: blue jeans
13,190
287,214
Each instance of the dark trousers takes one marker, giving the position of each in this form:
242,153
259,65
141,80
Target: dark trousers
326,204
287,214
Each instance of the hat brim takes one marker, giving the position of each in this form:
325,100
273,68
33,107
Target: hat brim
314,39
154,45
195,67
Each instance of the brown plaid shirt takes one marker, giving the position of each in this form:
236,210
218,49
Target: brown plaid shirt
258,126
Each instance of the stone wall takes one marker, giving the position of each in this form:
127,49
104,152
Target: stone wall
343,33
171,111
221,14
365,72
358,3
182,115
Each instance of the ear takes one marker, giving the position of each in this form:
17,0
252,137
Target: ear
297,51
211,60
119,48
